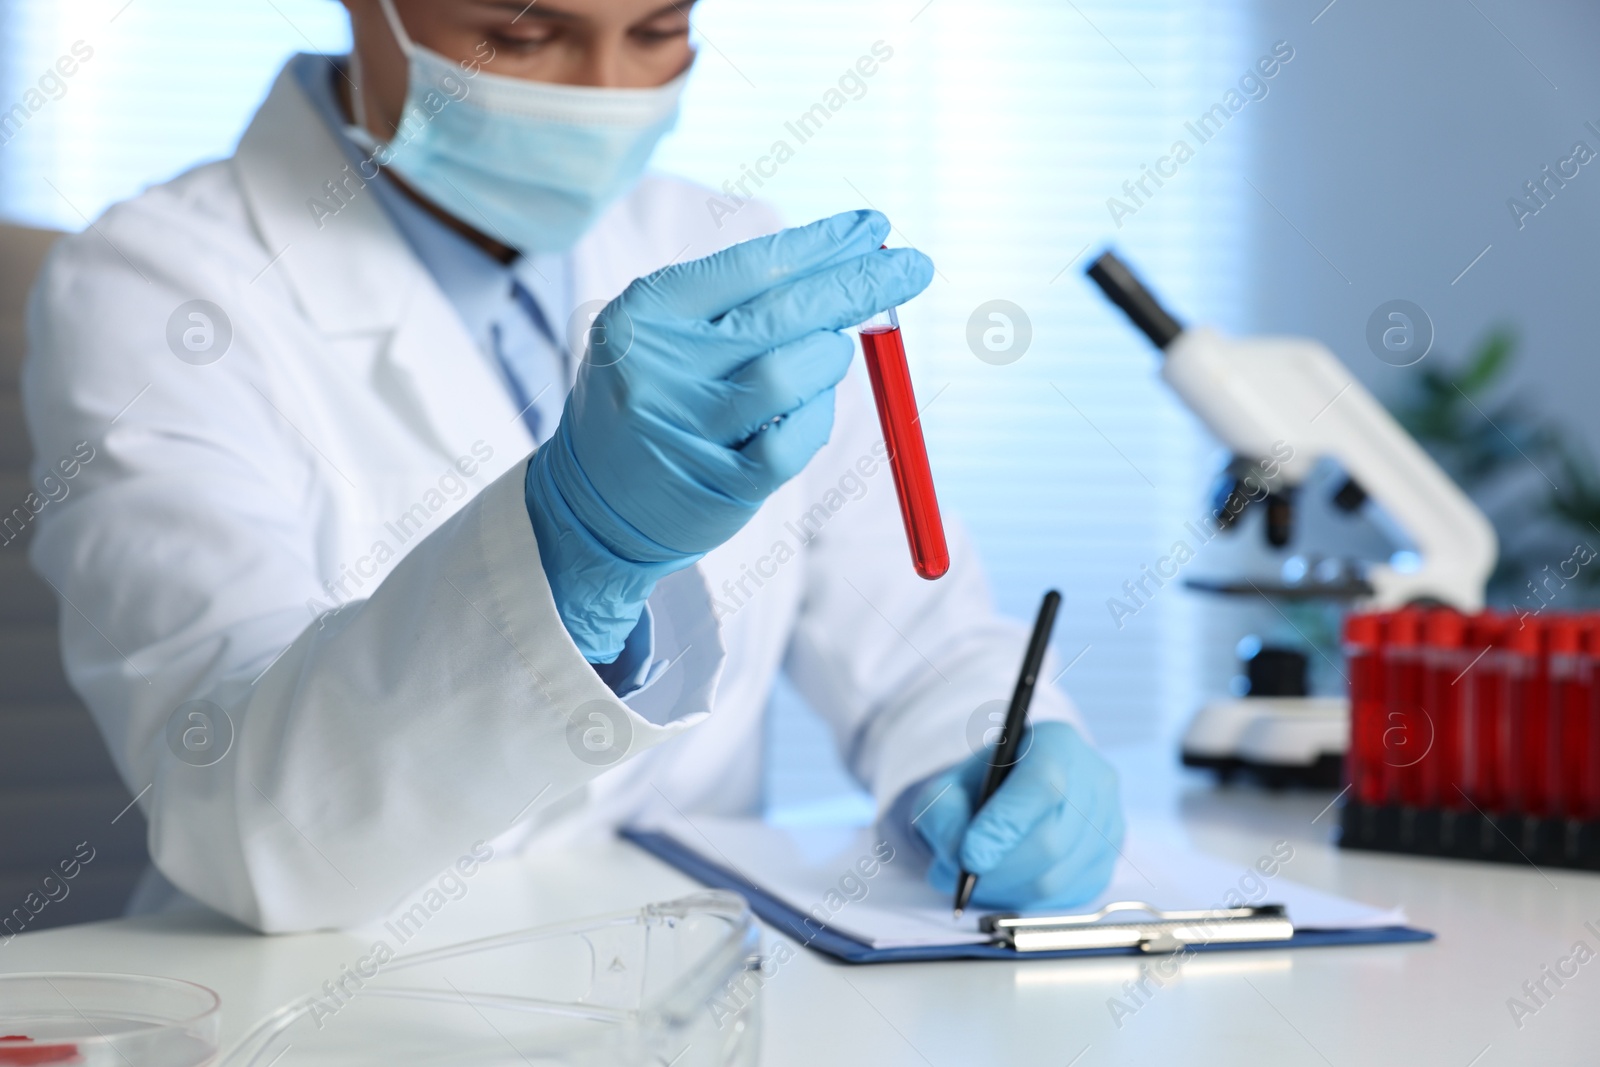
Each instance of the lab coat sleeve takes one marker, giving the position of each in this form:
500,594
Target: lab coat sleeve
355,755
899,666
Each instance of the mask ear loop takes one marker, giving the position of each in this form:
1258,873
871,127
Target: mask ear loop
358,98
396,27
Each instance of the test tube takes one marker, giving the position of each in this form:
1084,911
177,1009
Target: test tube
1437,770
1551,770
885,353
1363,636
1521,676
1444,770
1486,694
1404,737
1581,731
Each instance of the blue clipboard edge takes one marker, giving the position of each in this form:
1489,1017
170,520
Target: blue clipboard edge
832,943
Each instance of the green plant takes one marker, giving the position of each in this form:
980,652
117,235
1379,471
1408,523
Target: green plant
1540,489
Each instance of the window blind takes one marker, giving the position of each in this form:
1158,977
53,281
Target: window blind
166,84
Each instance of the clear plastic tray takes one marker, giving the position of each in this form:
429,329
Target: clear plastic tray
670,983
97,1020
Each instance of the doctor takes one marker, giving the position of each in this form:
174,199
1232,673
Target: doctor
334,622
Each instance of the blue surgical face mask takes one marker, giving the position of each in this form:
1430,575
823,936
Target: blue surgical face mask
531,164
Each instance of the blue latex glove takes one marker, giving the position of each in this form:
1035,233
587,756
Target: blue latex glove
1047,838
713,388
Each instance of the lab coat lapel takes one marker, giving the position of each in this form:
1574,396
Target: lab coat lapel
325,232
437,368
353,274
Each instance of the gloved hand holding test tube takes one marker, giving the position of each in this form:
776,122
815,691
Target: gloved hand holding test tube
885,352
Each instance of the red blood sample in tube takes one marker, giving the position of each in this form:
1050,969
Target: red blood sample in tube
1362,636
1580,732
1546,767
1523,679
885,354
1486,693
1439,770
1405,731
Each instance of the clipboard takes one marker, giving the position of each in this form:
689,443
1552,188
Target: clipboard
1016,937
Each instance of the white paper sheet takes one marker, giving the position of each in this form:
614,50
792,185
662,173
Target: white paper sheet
824,872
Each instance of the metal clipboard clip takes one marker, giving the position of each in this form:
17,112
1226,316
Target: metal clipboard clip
1164,931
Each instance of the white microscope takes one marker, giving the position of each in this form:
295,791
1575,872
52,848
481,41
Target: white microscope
1270,397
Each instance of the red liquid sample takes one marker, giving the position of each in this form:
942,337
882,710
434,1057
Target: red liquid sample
1440,719
21,1049
1406,732
1523,713
1362,639
1580,731
1486,692
1445,775
885,353
1555,660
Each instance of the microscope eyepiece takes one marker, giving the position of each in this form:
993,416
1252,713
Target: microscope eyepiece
1124,289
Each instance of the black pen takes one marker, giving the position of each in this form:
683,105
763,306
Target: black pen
1006,752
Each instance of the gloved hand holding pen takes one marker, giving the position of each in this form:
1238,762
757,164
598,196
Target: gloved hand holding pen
1047,838
721,390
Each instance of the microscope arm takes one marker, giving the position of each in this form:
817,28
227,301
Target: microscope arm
1267,397
1259,394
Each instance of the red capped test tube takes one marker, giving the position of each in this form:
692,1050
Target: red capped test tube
885,353
1404,736
1363,635
1550,768
1580,731
1523,712
1440,768
1486,696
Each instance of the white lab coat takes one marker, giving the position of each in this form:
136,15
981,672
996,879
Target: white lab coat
230,506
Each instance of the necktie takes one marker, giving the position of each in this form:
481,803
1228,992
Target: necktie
533,358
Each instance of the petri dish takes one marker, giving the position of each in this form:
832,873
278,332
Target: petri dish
674,983
81,1019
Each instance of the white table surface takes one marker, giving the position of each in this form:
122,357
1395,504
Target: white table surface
1442,1002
